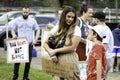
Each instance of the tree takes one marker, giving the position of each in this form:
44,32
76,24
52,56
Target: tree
61,2
73,3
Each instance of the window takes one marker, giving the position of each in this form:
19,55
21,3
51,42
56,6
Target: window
44,20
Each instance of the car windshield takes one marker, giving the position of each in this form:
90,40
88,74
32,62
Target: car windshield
44,20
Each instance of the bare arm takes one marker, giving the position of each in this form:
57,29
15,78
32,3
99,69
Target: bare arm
66,49
71,48
105,45
98,69
83,40
47,48
50,26
13,33
37,36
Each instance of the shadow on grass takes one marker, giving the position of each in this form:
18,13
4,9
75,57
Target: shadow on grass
6,72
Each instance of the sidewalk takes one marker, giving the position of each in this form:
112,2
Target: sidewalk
36,63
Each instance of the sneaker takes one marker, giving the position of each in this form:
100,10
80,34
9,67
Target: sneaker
14,79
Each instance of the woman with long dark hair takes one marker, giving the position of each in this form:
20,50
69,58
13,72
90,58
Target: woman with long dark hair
67,30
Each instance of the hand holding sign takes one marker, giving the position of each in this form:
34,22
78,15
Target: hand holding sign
17,50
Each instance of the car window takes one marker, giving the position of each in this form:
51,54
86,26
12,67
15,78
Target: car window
32,13
44,20
16,15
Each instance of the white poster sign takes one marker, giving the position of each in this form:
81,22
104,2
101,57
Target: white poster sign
45,33
17,50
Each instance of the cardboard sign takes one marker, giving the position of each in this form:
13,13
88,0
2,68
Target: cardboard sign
61,69
17,50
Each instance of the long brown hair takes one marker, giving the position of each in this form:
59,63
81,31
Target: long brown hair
65,29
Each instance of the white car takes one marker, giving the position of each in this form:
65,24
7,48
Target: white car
5,18
42,20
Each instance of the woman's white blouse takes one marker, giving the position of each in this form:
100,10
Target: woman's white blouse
77,31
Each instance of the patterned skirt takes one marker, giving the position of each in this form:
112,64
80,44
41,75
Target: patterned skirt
71,58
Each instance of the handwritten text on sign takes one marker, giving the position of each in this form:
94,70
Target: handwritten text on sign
17,50
60,69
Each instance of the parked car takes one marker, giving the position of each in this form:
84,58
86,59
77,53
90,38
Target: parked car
42,20
5,18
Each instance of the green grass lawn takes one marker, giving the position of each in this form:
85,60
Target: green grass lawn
6,72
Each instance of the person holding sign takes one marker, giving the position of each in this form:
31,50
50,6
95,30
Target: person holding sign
24,26
67,37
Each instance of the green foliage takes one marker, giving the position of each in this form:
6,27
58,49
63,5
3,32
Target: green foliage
50,3
6,72
55,3
73,3
22,2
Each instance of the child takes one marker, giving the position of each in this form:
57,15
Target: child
108,41
97,60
